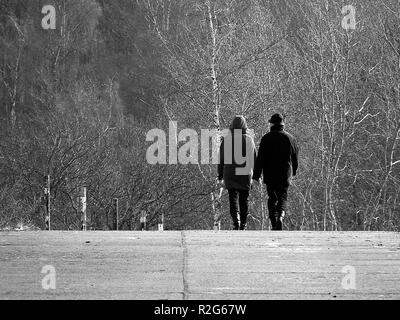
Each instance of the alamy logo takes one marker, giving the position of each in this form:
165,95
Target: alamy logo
349,20
349,280
185,146
49,20
49,280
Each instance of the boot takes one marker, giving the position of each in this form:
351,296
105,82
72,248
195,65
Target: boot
243,226
236,222
279,220
273,222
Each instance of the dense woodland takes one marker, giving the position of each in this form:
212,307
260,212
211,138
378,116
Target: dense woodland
78,101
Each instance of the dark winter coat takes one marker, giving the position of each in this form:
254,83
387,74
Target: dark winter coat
277,157
228,168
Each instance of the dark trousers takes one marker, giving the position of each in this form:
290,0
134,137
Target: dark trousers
239,211
277,204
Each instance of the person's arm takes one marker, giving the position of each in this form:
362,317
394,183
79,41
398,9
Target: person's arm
221,162
295,157
259,161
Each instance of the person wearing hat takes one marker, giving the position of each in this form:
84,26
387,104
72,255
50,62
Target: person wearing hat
277,160
235,169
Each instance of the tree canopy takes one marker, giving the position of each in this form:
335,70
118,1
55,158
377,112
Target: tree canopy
78,101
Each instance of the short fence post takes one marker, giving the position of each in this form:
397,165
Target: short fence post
47,203
143,220
82,205
115,217
161,225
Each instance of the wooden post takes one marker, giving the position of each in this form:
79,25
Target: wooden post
216,200
115,211
82,208
143,220
47,203
161,225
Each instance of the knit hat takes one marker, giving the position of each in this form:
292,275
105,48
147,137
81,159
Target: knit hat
277,118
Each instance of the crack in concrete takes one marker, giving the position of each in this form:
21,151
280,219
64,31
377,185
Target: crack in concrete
185,266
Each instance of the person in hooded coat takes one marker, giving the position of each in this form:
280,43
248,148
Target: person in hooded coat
236,169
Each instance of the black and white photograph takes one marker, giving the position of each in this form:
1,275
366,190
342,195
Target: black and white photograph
199,155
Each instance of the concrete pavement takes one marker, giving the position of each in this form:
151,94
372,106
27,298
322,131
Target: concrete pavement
201,265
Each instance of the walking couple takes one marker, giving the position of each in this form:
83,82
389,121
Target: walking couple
277,160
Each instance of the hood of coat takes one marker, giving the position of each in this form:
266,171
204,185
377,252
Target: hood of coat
239,123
